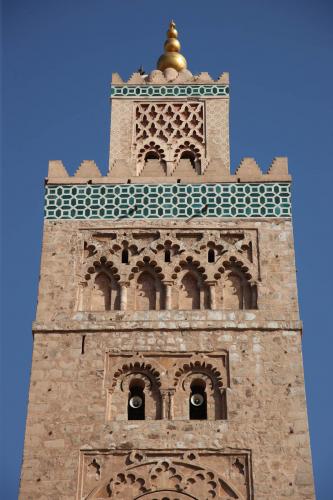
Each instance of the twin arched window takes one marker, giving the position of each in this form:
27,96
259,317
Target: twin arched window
196,397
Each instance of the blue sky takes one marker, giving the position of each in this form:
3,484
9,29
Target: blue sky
58,57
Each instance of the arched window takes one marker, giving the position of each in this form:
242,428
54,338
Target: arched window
198,400
211,255
136,401
124,256
167,256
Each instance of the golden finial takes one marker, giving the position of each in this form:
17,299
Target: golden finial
171,57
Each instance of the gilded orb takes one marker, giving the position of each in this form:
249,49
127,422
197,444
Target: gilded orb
172,45
172,60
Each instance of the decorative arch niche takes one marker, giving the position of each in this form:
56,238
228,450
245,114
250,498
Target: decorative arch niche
192,289
238,292
238,289
189,292
148,292
100,291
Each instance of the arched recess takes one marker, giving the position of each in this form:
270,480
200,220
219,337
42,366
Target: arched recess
131,376
105,294
195,375
238,292
192,290
151,159
189,292
191,151
148,292
102,291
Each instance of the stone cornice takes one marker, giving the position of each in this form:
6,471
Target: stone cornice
122,322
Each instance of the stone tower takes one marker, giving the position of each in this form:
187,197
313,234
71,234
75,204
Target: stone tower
167,344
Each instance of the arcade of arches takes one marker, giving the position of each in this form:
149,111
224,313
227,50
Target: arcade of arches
179,271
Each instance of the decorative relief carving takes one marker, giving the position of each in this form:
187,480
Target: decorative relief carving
169,131
136,271
167,475
169,121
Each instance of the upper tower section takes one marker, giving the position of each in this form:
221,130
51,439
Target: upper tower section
170,122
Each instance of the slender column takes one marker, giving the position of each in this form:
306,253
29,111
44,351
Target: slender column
212,294
202,297
168,294
167,403
169,167
123,296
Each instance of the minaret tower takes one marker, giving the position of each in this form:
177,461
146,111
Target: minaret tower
167,343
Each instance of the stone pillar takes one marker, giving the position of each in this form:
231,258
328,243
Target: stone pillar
212,295
123,296
202,297
168,294
167,403
169,167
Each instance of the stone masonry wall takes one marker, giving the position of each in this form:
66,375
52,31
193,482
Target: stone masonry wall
254,443
265,400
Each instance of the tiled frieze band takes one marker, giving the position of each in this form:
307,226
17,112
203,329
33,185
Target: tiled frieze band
146,201
169,90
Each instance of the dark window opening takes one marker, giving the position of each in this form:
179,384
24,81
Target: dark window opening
167,256
188,155
124,256
136,403
83,341
198,401
152,155
211,255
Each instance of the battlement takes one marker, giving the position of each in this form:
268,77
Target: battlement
124,172
170,76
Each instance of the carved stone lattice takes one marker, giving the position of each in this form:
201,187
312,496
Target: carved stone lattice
161,128
169,121
168,475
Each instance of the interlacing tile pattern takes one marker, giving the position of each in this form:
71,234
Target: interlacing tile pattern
147,201
169,90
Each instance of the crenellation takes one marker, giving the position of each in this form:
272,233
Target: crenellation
125,171
88,169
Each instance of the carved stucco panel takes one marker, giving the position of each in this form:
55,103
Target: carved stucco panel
165,474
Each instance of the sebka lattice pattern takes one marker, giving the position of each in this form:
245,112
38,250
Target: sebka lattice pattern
143,201
169,90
